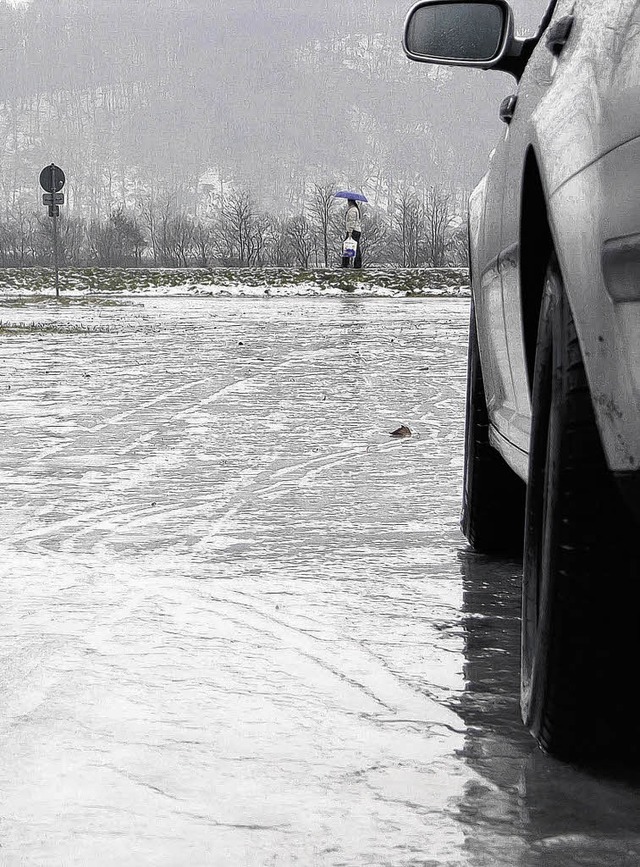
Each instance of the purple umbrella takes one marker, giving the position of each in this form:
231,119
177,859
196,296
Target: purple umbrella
345,194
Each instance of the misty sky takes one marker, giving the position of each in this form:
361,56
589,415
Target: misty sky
525,8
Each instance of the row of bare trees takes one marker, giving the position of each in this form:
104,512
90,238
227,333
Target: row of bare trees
419,228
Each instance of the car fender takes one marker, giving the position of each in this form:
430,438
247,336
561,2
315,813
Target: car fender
599,250
586,134
594,219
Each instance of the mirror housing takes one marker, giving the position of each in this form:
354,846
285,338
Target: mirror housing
476,33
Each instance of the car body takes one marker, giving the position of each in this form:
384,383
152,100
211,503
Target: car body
554,230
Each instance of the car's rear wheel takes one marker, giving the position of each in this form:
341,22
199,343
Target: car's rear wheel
581,597
494,496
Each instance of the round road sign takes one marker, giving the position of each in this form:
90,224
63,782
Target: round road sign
52,178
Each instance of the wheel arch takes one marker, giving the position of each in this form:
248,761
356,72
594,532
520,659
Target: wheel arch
536,246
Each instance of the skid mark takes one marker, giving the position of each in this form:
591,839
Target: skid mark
57,526
120,417
266,484
237,385
344,658
136,443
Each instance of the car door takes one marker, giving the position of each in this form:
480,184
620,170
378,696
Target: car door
492,342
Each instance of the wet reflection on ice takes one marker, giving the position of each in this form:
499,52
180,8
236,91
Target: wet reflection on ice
529,809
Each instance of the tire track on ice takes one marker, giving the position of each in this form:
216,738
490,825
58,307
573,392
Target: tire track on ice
238,384
164,396
117,516
344,659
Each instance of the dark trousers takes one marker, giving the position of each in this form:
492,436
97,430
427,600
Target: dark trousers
357,262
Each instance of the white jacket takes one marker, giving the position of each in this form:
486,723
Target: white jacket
352,219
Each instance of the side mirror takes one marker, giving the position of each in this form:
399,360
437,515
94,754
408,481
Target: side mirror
476,34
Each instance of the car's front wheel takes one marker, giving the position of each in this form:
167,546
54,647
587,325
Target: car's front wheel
581,583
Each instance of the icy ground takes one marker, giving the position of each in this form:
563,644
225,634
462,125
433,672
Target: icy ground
237,282
238,622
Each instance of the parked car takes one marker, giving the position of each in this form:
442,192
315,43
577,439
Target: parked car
553,402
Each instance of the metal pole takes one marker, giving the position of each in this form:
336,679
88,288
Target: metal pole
55,229
55,250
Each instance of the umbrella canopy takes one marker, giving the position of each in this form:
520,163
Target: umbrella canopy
345,194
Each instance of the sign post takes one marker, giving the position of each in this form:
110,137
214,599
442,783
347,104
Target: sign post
52,181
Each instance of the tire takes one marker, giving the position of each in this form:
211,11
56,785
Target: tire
581,603
494,496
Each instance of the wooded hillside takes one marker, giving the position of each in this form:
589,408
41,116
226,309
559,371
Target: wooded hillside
137,99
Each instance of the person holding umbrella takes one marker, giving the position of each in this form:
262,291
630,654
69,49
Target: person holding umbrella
353,225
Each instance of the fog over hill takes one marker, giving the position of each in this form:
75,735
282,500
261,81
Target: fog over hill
139,97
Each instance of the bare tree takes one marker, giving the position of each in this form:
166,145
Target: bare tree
321,208
178,240
375,237
8,242
129,240
203,244
258,239
300,234
439,218
155,212
408,225
278,245
18,238
457,252
235,225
